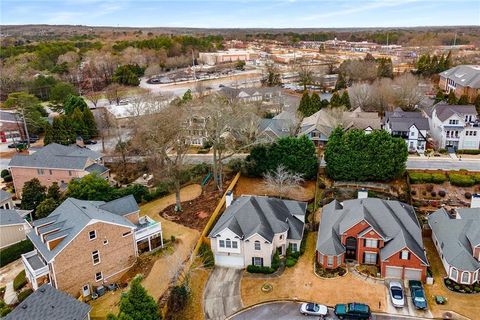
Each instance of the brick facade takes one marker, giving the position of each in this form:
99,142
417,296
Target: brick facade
412,263
459,90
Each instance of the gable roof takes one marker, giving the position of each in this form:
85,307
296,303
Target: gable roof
394,221
71,217
444,111
279,127
10,217
400,120
265,216
49,303
465,75
56,156
457,236
4,195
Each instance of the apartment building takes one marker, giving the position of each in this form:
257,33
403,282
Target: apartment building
463,80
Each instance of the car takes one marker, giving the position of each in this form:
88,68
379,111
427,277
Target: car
313,309
396,294
353,310
90,142
418,294
17,145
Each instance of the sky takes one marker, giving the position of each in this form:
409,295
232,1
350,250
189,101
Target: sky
243,14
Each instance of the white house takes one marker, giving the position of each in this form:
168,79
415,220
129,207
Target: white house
411,126
253,228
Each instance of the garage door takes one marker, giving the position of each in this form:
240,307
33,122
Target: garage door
393,272
413,274
229,261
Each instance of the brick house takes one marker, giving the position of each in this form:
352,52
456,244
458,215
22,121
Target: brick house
463,80
375,232
95,241
457,239
55,163
11,127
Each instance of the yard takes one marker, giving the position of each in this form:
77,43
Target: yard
464,304
301,283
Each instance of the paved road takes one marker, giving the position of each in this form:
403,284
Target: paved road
290,311
222,294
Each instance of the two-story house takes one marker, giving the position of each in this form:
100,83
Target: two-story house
83,244
384,233
12,227
197,131
455,126
463,80
253,228
55,163
282,125
457,239
411,126
6,200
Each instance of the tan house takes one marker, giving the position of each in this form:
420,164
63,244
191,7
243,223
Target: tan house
55,163
12,228
85,244
253,228
463,80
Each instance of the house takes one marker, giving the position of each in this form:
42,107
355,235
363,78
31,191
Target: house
253,228
463,80
320,125
12,227
123,114
252,94
49,303
455,126
384,233
55,163
457,239
197,130
282,125
6,201
11,127
95,241
411,126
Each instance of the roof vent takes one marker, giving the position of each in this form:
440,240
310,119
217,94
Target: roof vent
83,207
42,289
24,306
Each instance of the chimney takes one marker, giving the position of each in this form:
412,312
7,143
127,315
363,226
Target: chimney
475,201
229,198
79,142
362,194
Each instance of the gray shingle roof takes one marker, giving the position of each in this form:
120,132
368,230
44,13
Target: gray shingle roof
400,120
9,217
444,111
72,216
396,222
263,215
4,195
8,116
97,168
49,303
465,75
121,206
56,156
456,236
279,127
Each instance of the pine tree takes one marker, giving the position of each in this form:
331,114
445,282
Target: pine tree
335,100
90,124
463,100
78,124
452,99
346,99
448,60
32,194
440,96
137,304
48,134
304,106
340,84
315,103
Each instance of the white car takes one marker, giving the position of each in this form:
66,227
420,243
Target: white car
313,309
397,294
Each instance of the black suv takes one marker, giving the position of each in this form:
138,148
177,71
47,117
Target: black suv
353,311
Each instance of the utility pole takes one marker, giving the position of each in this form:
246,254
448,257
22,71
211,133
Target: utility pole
25,128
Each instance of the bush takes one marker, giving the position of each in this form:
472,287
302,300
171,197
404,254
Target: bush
4,173
424,193
468,151
420,177
461,180
443,151
290,262
433,194
468,195
476,178
207,255
20,281
8,178
429,188
413,192
4,309
14,252
438,178
24,294
442,193
258,269
235,165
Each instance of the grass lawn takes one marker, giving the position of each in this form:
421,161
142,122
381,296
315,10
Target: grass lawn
464,304
301,283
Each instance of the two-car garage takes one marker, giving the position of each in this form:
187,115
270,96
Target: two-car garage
229,261
392,272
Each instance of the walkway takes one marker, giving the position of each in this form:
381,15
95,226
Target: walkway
10,271
222,293
10,296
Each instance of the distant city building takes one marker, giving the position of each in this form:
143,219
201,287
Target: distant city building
411,126
219,57
463,80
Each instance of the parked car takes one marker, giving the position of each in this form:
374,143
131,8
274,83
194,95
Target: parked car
418,294
16,145
353,310
90,142
396,294
313,309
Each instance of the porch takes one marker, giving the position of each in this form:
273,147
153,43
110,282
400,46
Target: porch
148,235
36,269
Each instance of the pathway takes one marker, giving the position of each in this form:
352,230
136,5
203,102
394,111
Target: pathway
222,293
10,296
10,271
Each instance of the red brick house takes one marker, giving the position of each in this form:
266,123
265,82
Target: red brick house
372,231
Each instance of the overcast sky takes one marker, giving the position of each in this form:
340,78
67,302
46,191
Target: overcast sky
243,14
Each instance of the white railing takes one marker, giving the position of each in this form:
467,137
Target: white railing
154,227
35,272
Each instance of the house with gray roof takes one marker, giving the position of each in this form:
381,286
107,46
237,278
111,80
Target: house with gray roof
253,228
252,94
6,201
96,241
55,163
413,127
49,303
13,227
282,125
455,126
457,239
463,80
385,233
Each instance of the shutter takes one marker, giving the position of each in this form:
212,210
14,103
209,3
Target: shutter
253,261
364,255
364,242
261,261
408,256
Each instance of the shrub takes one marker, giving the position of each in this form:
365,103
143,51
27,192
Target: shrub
433,194
322,185
476,178
8,178
442,193
413,192
468,151
24,294
461,180
4,309
4,173
235,165
290,262
429,188
14,252
207,255
456,287
468,195
443,151
424,193
259,269
20,281
420,177
178,298
275,261
476,289
439,178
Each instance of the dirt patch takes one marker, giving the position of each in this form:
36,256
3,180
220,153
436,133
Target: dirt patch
427,196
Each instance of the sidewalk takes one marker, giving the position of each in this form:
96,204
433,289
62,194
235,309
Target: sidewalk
10,294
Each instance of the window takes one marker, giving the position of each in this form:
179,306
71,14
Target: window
126,234
405,255
454,274
465,277
257,245
257,261
281,236
294,247
452,121
40,172
98,276
92,235
222,243
330,261
234,244
228,243
371,243
105,242
370,258
96,257
412,133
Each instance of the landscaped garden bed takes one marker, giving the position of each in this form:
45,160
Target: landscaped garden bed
329,273
368,270
461,288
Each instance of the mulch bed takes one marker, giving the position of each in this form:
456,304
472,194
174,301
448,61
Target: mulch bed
195,213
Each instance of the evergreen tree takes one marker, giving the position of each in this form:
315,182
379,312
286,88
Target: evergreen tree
345,99
340,84
440,96
335,100
385,68
477,103
451,99
32,194
45,208
187,96
48,138
448,61
90,124
72,102
463,100
315,103
78,125
304,107
53,192
137,304
90,187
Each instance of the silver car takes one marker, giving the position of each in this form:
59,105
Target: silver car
313,309
397,294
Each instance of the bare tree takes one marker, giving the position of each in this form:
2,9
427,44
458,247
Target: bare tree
115,92
281,181
382,96
93,96
360,94
408,92
305,75
153,70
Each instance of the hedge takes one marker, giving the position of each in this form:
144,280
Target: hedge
258,269
14,252
24,294
461,180
439,178
20,281
468,151
420,177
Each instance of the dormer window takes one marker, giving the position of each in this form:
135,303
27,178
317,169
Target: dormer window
405,255
92,235
257,245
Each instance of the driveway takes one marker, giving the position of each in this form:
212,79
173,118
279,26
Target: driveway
222,294
409,309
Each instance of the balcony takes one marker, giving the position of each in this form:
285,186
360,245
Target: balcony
148,235
36,269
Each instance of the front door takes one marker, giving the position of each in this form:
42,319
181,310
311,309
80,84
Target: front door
351,248
86,290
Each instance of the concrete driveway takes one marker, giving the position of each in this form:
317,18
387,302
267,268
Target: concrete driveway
222,294
409,309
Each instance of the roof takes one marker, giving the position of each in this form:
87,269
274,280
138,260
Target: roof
56,156
444,111
465,75
71,217
10,116
97,168
49,303
394,221
4,195
9,217
234,93
265,216
456,236
400,120
279,127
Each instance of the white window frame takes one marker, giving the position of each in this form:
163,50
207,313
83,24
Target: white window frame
452,271
259,259
126,234
294,247
94,235
101,276
234,244
105,242
221,243
405,255
96,253
369,260
468,279
228,243
330,261
259,245
371,243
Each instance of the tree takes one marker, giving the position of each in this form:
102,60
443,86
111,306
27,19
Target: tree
61,131
272,77
240,65
305,107
335,100
128,74
94,97
90,187
440,96
32,194
115,93
451,98
281,181
360,95
45,208
305,76
477,103
463,100
385,68
90,123
61,91
345,100
187,96
53,192
408,93
315,102
72,102
357,156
